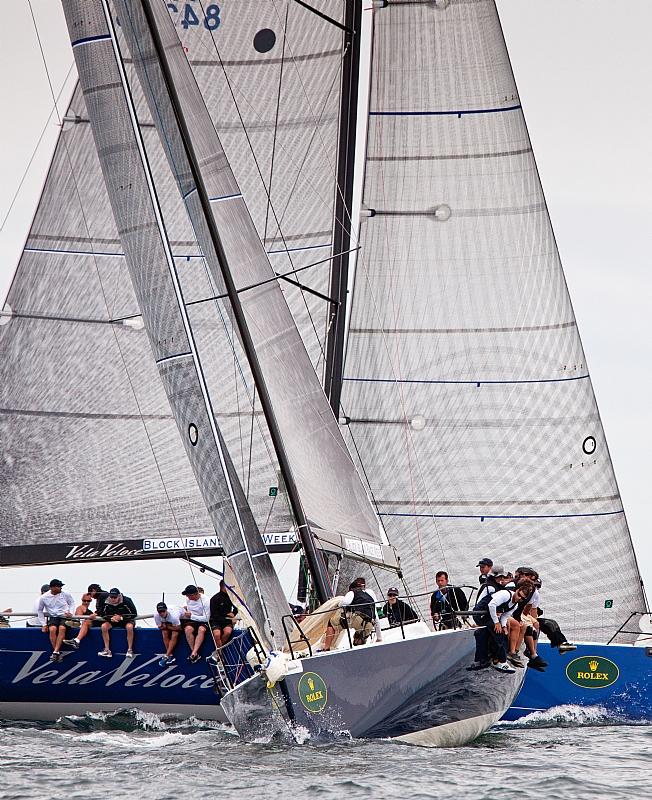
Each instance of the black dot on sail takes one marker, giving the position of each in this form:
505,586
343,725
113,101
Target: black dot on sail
264,40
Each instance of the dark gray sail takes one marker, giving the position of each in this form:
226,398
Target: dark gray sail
331,493
465,380
154,275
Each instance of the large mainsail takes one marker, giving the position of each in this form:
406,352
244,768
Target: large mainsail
154,275
91,453
465,381
330,498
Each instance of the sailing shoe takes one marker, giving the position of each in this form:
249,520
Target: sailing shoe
194,658
504,668
130,653
566,647
106,653
516,660
478,665
537,662
213,657
71,643
56,657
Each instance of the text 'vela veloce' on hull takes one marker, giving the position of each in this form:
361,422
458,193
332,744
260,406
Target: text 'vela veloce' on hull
417,690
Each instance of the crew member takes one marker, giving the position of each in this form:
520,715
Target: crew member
397,611
59,606
445,600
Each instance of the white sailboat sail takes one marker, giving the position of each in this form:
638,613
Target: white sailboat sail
329,490
92,454
170,330
465,381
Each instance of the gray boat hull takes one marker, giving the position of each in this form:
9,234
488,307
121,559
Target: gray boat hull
418,690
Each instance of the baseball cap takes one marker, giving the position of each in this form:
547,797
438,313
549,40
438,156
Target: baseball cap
161,607
296,609
499,571
190,589
114,592
393,591
56,582
485,562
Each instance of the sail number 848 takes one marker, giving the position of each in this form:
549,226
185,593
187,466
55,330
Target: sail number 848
189,16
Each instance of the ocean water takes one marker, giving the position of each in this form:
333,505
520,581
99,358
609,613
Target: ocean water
565,753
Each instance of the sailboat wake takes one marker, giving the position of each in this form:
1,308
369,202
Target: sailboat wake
571,716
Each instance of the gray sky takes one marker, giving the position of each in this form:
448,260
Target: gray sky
583,68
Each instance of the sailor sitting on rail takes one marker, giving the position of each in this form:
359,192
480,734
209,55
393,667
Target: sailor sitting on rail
492,612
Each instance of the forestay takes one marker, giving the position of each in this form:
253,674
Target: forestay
465,379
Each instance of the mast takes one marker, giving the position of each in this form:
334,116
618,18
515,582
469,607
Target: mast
313,557
343,204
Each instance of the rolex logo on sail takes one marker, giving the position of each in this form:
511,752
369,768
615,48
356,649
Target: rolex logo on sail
592,672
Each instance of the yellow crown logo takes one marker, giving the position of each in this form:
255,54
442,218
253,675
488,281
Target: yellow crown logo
593,665
311,683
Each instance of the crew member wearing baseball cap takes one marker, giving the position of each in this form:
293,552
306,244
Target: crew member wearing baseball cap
59,606
119,612
397,611
194,620
167,620
485,565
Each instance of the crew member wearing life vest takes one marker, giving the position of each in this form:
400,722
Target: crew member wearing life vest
359,605
492,612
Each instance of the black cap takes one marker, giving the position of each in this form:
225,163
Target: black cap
485,562
393,591
56,582
296,609
45,588
190,589
161,607
114,592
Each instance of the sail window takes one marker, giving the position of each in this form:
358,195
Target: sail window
418,423
6,315
264,40
589,445
193,434
442,212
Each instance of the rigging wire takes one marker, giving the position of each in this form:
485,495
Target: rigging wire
36,147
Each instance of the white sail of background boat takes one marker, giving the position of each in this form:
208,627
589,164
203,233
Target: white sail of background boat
464,360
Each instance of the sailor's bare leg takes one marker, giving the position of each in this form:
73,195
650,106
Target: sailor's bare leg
173,637
86,625
190,637
61,633
130,635
199,640
53,636
106,627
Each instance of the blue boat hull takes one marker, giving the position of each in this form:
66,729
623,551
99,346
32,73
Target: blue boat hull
615,677
32,687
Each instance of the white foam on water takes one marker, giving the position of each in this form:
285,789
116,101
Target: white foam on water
566,715
120,739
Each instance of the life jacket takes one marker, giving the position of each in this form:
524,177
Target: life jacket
488,586
483,605
363,604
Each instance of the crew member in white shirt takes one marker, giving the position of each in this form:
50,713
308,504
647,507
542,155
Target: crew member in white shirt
35,622
167,620
58,606
194,620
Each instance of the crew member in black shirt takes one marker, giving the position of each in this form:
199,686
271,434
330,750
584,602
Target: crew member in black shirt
396,611
444,601
222,615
